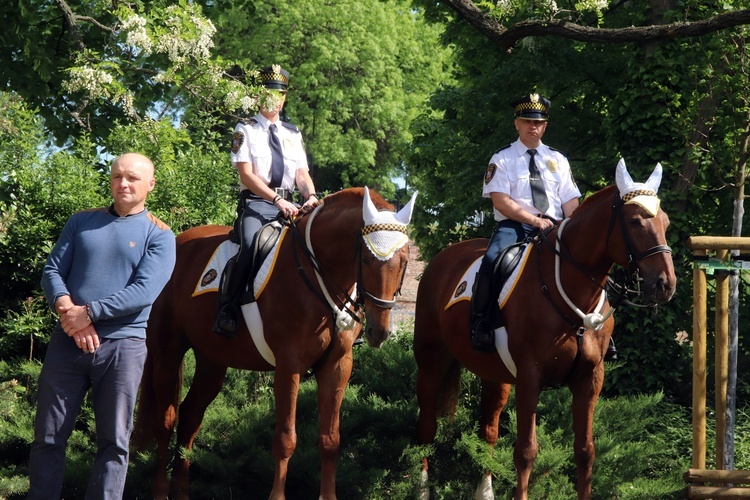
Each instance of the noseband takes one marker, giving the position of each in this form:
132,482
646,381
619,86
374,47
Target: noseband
622,290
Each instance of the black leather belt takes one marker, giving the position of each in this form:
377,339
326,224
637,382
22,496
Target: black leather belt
246,194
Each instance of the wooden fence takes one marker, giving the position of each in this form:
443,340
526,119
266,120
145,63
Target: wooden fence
703,483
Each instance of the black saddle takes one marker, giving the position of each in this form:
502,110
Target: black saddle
506,263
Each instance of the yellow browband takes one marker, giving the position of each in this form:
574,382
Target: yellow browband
638,192
384,227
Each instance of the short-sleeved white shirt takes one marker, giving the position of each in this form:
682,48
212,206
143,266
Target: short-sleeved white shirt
508,172
250,144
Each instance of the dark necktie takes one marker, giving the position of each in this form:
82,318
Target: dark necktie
538,193
277,158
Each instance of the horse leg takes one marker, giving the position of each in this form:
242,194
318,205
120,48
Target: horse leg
524,453
585,395
285,389
438,378
332,380
165,368
207,382
493,400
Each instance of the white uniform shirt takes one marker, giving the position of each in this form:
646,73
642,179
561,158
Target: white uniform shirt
250,144
508,172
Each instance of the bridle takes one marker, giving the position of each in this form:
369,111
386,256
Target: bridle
349,312
621,291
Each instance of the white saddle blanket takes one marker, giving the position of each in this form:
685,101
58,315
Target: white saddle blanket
211,276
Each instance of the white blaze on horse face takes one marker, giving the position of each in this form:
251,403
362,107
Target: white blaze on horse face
385,232
646,192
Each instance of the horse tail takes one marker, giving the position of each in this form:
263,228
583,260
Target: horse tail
147,418
451,388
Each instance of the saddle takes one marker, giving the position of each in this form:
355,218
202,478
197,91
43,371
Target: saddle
506,263
263,242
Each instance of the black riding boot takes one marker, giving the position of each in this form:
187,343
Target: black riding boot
229,290
482,333
611,354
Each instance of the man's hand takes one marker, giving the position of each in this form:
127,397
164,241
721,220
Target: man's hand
310,204
543,223
86,339
73,318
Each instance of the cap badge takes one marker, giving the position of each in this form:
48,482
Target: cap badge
534,97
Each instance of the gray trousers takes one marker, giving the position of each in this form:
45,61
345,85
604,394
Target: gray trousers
113,373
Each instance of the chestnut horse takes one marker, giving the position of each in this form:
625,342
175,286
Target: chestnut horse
550,340
349,254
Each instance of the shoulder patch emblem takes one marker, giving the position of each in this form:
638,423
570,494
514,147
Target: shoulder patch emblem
237,140
490,173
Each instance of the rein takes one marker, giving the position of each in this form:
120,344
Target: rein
345,317
595,320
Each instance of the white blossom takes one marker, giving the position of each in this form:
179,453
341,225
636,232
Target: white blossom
90,80
181,43
137,35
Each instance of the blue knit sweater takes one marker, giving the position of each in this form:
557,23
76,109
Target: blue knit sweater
118,265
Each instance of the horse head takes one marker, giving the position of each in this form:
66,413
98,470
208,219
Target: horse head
383,265
642,245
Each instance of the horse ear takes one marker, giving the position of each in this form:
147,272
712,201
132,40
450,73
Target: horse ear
404,215
655,179
369,211
622,177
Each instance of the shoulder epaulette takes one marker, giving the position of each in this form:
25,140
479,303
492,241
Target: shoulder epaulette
158,222
502,148
555,150
248,121
291,127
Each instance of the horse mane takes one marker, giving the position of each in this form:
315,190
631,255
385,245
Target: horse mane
354,196
594,199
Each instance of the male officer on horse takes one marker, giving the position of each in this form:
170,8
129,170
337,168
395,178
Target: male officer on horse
531,186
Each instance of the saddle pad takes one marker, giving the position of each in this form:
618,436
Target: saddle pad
465,285
211,275
210,278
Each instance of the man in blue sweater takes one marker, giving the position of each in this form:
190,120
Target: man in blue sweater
102,276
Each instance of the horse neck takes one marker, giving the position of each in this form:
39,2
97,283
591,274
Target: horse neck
335,234
586,233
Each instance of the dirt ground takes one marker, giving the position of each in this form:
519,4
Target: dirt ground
403,311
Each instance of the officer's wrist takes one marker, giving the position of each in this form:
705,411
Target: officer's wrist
275,199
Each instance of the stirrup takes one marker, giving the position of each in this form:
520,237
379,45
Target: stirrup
226,322
482,336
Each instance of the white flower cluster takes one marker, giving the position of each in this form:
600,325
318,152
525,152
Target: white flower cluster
235,99
182,42
127,104
137,36
551,6
597,5
90,80
505,7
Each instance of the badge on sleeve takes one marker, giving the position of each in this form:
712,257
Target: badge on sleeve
490,173
237,140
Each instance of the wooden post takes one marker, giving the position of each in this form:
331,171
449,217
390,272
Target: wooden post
699,365
722,357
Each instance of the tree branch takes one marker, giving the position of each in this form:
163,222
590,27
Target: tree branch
506,38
